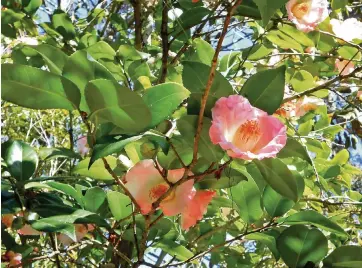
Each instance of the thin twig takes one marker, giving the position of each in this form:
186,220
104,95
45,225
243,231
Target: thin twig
164,37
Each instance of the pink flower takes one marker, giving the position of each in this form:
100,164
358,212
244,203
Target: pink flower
359,95
28,230
347,30
81,231
307,14
82,145
287,110
196,208
13,258
147,185
7,219
306,104
344,67
244,131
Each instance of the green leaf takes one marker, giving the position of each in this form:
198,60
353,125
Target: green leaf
20,158
53,57
119,204
37,89
128,52
63,24
349,53
294,149
248,8
275,204
67,189
268,8
51,153
279,177
110,102
229,178
265,89
163,100
31,6
266,239
314,218
299,245
174,249
344,257
257,52
341,158
283,40
139,68
101,50
203,52
10,16
299,36
246,195
170,160
187,126
338,4
94,198
97,171
80,69
302,80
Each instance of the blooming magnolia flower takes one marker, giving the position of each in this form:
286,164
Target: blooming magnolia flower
147,185
244,131
196,208
13,258
307,14
82,145
306,104
344,67
7,219
28,230
80,232
347,30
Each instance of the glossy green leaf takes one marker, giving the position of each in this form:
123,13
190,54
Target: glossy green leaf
63,24
203,52
94,198
279,177
101,50
174,249
53,57
294,149
37,89
246,195
349,53
266,239
275,204
314,218
119,204
10,16
139,68
163,100
297,35
187,126
265,89
51,153
302,80
299,245
170,160
248,8
31,6
97,171
283,40
21,159
66,189
344,257
268,8
80,69
110,102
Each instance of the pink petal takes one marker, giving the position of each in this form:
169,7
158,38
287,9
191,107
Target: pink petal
7,219
175,203
65,240
196,208
244,131
145,182
345,67
28,230
82,145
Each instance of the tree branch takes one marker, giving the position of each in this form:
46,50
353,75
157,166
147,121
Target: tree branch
137,7
164,37
211,80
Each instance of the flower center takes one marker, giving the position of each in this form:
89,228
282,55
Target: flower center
301,9
247,135
157,191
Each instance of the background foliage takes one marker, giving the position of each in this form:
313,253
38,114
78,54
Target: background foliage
130,76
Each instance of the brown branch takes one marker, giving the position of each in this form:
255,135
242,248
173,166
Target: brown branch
164,37
143,244
323,86
211,80
329,203
54,246
137,7
176,153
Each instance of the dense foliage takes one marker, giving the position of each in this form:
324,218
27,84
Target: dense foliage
164,133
